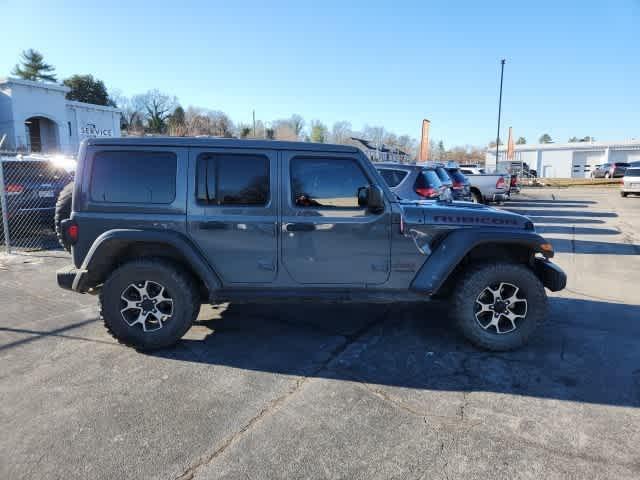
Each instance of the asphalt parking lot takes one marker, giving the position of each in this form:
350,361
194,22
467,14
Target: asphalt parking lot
361,391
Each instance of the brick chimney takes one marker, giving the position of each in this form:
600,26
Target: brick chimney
423,155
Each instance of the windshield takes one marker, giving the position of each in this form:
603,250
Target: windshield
632,172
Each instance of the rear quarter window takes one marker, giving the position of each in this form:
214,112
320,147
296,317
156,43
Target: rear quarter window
133,177
393,177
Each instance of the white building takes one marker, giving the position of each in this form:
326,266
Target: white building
565,160
36,117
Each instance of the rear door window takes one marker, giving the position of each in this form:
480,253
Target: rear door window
232,179
133,177
393,177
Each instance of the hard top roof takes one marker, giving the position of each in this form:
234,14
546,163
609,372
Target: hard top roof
214,142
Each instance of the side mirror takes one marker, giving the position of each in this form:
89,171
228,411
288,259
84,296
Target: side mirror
371,197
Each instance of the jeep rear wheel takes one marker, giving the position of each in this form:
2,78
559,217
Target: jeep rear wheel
498,306
149,303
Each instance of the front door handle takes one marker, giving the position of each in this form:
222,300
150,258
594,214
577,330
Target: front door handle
213,225
300,227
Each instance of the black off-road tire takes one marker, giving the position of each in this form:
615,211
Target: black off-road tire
474,282
63,211
179,284
476,197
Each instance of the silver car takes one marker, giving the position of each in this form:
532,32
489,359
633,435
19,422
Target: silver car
413,182
631,181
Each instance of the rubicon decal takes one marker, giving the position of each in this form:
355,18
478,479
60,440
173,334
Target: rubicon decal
458,220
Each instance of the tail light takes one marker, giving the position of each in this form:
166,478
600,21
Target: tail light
428,192
71,231
14,189
514,181
500,183
457,185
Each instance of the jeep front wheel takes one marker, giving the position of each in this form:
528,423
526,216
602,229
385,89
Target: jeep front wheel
149,303
498,306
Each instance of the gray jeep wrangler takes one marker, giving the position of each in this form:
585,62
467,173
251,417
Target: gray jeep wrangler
159,225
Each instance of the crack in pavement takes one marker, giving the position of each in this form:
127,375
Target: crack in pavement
272,406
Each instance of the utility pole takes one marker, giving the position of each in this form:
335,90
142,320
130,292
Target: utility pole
502,62
254,124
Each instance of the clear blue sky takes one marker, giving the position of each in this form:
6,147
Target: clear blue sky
573,67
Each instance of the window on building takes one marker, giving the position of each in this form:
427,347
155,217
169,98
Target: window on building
326,182
393,177
69,125
229,179
133,177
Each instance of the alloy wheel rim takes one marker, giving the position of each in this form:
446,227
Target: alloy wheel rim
500,308
146,304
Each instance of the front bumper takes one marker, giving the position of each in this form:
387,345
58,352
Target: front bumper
72,278
551,275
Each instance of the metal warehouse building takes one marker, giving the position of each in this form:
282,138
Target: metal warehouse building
36,117
565,160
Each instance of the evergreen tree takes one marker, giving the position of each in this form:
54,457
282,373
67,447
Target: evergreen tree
34,68
85,88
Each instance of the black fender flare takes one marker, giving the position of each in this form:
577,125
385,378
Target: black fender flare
457,244
106,248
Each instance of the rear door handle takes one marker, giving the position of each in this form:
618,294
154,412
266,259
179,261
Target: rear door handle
213,225
300,227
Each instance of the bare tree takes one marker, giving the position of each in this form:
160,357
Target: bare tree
221,124
297,123
284,130
374,134
131,116
408,145
157,107
341,132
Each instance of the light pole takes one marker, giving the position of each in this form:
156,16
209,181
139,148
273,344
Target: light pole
502,62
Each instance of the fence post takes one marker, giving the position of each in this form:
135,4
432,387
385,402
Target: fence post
5,209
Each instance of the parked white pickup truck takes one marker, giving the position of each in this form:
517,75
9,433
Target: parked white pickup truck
487,187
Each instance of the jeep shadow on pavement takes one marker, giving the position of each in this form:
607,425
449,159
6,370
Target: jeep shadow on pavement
160,225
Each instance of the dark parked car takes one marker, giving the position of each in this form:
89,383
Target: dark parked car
610,170
444,177
31,190
412,182
460,186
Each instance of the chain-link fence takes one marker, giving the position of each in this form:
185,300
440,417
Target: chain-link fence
29,189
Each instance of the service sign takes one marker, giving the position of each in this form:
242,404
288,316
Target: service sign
92,130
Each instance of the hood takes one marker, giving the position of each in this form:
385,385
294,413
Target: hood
462,214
